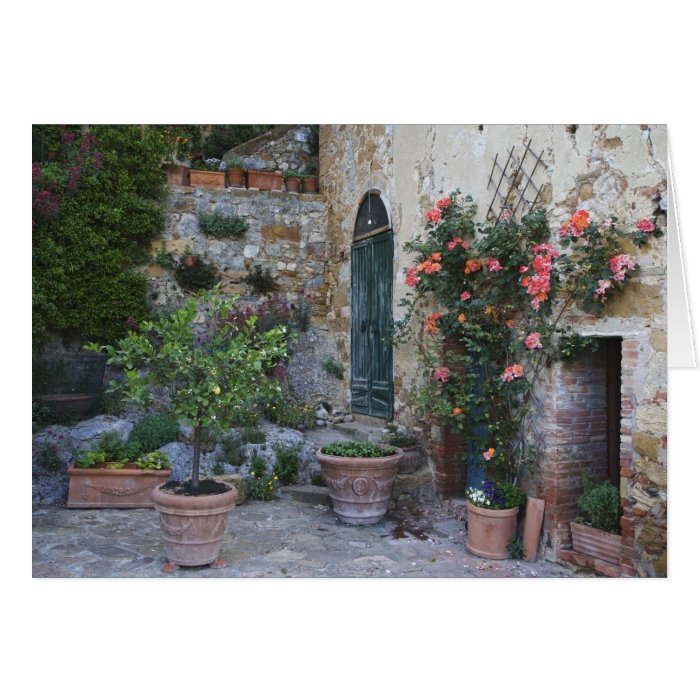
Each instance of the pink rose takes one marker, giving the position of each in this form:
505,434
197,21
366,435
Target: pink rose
646,225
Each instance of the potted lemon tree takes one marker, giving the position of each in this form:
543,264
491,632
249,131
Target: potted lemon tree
209,366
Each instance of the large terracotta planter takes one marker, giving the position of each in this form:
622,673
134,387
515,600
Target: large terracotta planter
193,527
490,531
596,543
113,488
73,406
264,180
236,177
209,179
360,488
412,459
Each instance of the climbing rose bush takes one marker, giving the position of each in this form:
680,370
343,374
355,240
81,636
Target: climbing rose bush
489,301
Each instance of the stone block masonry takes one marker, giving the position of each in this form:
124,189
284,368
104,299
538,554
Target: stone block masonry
287,235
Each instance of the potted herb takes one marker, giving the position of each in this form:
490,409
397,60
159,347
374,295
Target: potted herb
209,369
235,172
360,476
412,457
309,181
492,518
596,532
111,476
292,180
209,173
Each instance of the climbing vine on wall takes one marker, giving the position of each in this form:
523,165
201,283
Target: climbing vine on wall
96,206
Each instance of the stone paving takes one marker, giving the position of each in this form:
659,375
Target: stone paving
282,538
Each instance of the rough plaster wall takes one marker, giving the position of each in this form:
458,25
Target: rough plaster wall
605,169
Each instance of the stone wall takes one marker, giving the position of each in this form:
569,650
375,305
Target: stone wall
605,169
287,234
281,149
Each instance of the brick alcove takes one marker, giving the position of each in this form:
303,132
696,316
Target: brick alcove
587,408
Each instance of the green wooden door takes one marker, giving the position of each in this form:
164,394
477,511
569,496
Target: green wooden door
372,352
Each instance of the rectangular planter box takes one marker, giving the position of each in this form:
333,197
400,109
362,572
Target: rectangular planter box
177,175
209,179
113,488
261,180
596,543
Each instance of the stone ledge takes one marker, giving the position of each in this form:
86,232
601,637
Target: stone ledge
598,565
315,495
246,192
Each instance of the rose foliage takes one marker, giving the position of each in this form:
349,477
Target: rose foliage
488,303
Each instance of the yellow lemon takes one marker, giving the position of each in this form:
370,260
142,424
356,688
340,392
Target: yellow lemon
217,390
212,372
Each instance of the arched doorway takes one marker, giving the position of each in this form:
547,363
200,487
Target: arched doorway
372,380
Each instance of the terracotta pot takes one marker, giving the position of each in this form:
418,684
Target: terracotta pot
100,487
412,459
310,185
193,527
209,179
490,531
70,405
292,184
360,488
177,175
596,543
236,177
264,180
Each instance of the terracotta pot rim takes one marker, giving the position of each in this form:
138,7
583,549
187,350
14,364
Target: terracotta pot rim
489,512
201,502
208,172
360,461
127,471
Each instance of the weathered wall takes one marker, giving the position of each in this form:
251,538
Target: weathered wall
619,170
279,150
287,233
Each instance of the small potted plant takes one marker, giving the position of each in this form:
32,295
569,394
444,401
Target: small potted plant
112,476
209,368
409,445
595,533
209,173
292,180
360,476
235,172
309,181
492,518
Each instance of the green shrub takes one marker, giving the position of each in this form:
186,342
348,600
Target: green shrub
114,448
152,432
49,458
219,225
333,367
232,450
245,416
356,448
197,276
156,461
600,505
283,412
293,173
261,485
287,463
261,281
83,254
253,435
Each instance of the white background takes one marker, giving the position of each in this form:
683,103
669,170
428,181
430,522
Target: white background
505,62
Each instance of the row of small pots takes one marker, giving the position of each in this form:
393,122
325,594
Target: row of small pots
237,177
